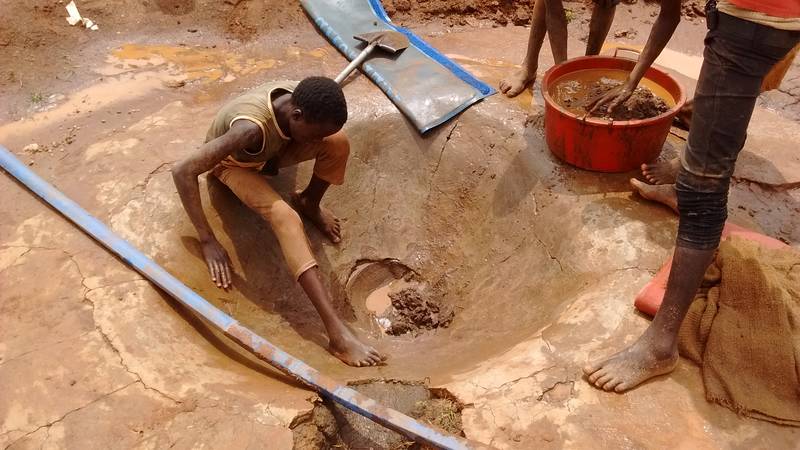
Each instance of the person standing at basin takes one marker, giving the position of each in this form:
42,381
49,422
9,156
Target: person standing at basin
665,172
273,126
549,17
746,38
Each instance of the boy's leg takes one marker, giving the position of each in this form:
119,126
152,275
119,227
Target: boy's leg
330,163
602,17
254,191
556,20
343,343
526,75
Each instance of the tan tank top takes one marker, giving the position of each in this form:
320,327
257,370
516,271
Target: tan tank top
254,105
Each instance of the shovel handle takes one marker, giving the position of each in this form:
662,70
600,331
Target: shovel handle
356,61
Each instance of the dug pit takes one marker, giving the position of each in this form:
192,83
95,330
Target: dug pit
455,239
330,425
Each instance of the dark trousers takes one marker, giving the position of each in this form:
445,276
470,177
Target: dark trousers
738,54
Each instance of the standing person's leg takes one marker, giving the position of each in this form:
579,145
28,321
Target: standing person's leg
602,17
556,20
330,164
727,90
254,191
526,75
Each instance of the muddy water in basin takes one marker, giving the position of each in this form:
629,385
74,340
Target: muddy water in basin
575,90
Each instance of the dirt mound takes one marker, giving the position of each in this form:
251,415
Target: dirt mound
413,313
331,425
461,12
642,104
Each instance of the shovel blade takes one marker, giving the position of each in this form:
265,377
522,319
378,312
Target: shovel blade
389,41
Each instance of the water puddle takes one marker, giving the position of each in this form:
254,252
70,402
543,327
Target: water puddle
192,63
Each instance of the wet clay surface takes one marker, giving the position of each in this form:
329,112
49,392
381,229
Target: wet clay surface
539,261
330,425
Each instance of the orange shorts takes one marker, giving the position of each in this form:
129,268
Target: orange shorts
253,189
329,155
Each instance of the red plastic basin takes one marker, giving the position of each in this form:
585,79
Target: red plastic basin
604,145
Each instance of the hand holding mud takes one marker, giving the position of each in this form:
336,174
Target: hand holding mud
613,98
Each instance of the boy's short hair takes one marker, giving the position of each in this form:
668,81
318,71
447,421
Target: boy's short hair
321,100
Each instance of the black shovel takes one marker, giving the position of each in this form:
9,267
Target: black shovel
388,41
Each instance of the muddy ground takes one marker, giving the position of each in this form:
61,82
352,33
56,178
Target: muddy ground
539,261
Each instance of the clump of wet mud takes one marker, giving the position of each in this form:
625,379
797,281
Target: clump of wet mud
576,96
412,312
330,425
395,300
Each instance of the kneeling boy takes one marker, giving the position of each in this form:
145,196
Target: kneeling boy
277,125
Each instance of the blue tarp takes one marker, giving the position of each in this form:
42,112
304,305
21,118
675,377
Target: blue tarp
425,85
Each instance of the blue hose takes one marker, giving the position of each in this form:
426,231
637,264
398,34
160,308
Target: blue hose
254,343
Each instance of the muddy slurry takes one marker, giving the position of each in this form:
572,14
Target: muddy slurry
330,425
413,312
577,95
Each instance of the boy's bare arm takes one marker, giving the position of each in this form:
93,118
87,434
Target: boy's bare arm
663,28
242,134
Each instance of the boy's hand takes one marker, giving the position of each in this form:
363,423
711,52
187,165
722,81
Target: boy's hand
612,98
219,264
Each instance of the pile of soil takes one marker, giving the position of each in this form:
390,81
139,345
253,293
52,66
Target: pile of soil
692,9
461,12
642,104
500,12
413,313
330,425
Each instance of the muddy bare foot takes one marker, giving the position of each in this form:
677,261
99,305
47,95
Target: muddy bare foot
353,352
630,367
516,83
661,193
662,172
323,218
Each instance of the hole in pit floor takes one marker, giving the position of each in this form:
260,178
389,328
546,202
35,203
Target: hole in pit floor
329,425
394,301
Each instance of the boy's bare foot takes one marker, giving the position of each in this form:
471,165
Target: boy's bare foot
516,83
662,172
630,367
323,218
661,193
347,347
